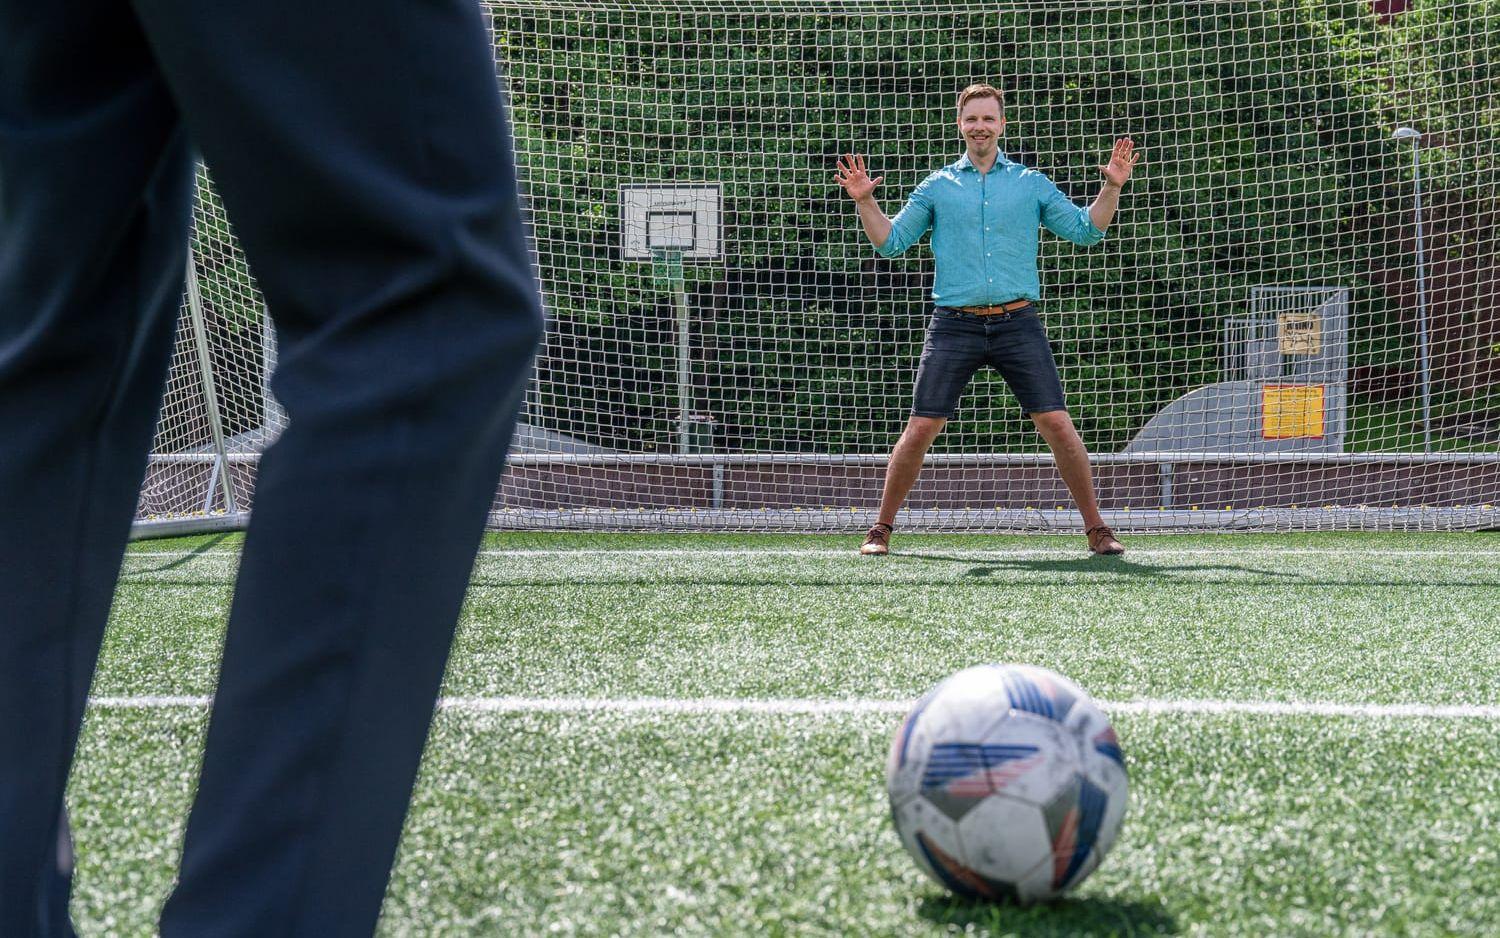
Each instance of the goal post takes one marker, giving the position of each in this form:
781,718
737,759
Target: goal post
1292,323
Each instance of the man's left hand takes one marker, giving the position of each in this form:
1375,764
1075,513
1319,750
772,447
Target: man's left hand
1121,162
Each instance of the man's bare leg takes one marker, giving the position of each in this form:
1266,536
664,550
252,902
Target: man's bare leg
906,463
901,473
1072,460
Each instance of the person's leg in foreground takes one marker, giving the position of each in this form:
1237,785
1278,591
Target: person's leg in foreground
362,154
95,184
362,151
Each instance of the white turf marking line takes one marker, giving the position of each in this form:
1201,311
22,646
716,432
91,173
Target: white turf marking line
916,553
815,707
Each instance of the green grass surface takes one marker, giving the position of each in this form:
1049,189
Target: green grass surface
757,823
1396,426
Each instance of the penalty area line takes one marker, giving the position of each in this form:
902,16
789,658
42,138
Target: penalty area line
816,707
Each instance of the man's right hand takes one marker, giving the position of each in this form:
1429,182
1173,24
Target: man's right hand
853,177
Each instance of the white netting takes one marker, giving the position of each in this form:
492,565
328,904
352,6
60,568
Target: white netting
1245,349
215,420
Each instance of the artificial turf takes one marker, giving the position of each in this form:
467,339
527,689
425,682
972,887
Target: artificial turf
740,822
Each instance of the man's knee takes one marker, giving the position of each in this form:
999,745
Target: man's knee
1052,421
924,429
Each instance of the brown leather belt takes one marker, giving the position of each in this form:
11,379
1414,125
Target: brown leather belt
1011,307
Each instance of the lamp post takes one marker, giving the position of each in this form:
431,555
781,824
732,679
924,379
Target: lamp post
1415,136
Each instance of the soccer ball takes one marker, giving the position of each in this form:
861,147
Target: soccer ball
1007,782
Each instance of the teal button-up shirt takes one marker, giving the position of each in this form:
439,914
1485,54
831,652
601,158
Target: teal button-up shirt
984,229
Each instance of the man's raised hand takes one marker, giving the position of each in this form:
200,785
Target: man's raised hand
853,177
1121,162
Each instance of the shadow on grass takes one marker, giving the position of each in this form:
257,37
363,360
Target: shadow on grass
909,568
177,560
1068,916
1118,566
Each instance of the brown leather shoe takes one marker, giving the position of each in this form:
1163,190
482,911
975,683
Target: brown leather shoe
1102,541
877,541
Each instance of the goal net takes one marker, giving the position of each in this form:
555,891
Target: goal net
1292,323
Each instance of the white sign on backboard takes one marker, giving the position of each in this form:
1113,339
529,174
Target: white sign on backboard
659,217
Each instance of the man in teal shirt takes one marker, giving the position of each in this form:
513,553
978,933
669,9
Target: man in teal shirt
984,212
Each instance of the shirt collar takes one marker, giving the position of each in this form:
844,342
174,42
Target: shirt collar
965,164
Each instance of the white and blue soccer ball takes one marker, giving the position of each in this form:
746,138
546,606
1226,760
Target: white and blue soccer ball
1007,782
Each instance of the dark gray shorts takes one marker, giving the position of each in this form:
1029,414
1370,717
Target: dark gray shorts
959,343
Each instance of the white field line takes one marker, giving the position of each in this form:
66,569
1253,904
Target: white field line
814,707
914,552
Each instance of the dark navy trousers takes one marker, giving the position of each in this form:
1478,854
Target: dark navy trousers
362,154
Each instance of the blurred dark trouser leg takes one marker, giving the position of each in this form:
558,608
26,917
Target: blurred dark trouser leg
95,180
363,157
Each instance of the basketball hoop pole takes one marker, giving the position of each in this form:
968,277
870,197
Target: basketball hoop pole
668,263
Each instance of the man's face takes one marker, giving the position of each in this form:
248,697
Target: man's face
981,125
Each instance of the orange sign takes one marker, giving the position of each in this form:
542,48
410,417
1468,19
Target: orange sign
1291,411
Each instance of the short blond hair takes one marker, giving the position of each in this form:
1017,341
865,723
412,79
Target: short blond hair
980,90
